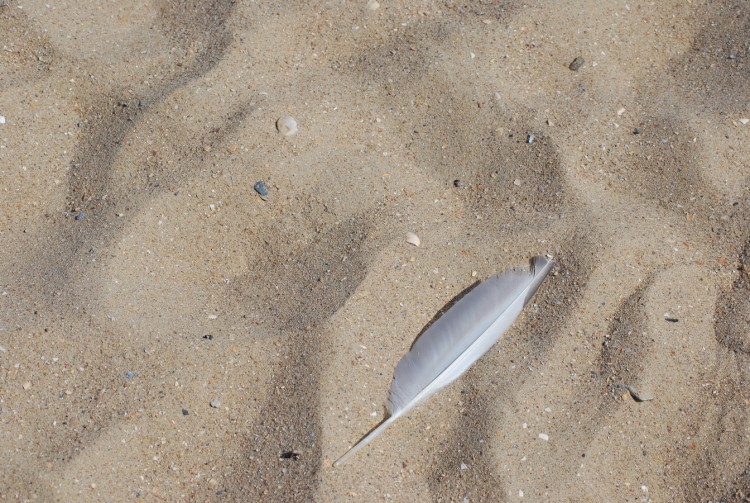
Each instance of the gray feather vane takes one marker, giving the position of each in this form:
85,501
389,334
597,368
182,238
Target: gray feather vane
458,339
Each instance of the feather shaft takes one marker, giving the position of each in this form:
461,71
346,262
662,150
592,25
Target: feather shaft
365,440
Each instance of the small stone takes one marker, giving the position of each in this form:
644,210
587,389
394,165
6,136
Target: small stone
413,239
80,216
460,184
621,111
287,126
744,121
208,337
544,437
473,274
215,403
373,5
27,385
520,494
213,316
185,412
530,138
261,189
463,466
517,182
576,64
129,375
2,119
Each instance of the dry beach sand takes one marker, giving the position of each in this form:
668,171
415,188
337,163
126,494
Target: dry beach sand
168,335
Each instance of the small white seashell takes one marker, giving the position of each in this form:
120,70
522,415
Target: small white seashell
412,238
287,126
544,436
373,5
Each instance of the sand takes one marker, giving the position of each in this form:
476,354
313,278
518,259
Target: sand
168,335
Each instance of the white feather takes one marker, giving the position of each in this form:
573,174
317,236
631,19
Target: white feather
459,338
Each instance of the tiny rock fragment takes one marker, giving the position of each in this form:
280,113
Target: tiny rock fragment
294,456
215,403
2,119
413,239
27,385
473,274
208,337
373,5
576,64
261,189
80,216
213,316
517,182
744,121
463,466
638,397
460,184
621,111
544,437
530,138
668,317
287,126
185,412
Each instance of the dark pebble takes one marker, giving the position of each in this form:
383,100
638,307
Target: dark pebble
460,184
530,138
636,131
672,320
576,64
261,189
129,374
208,337
185,412
80,216
290,455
